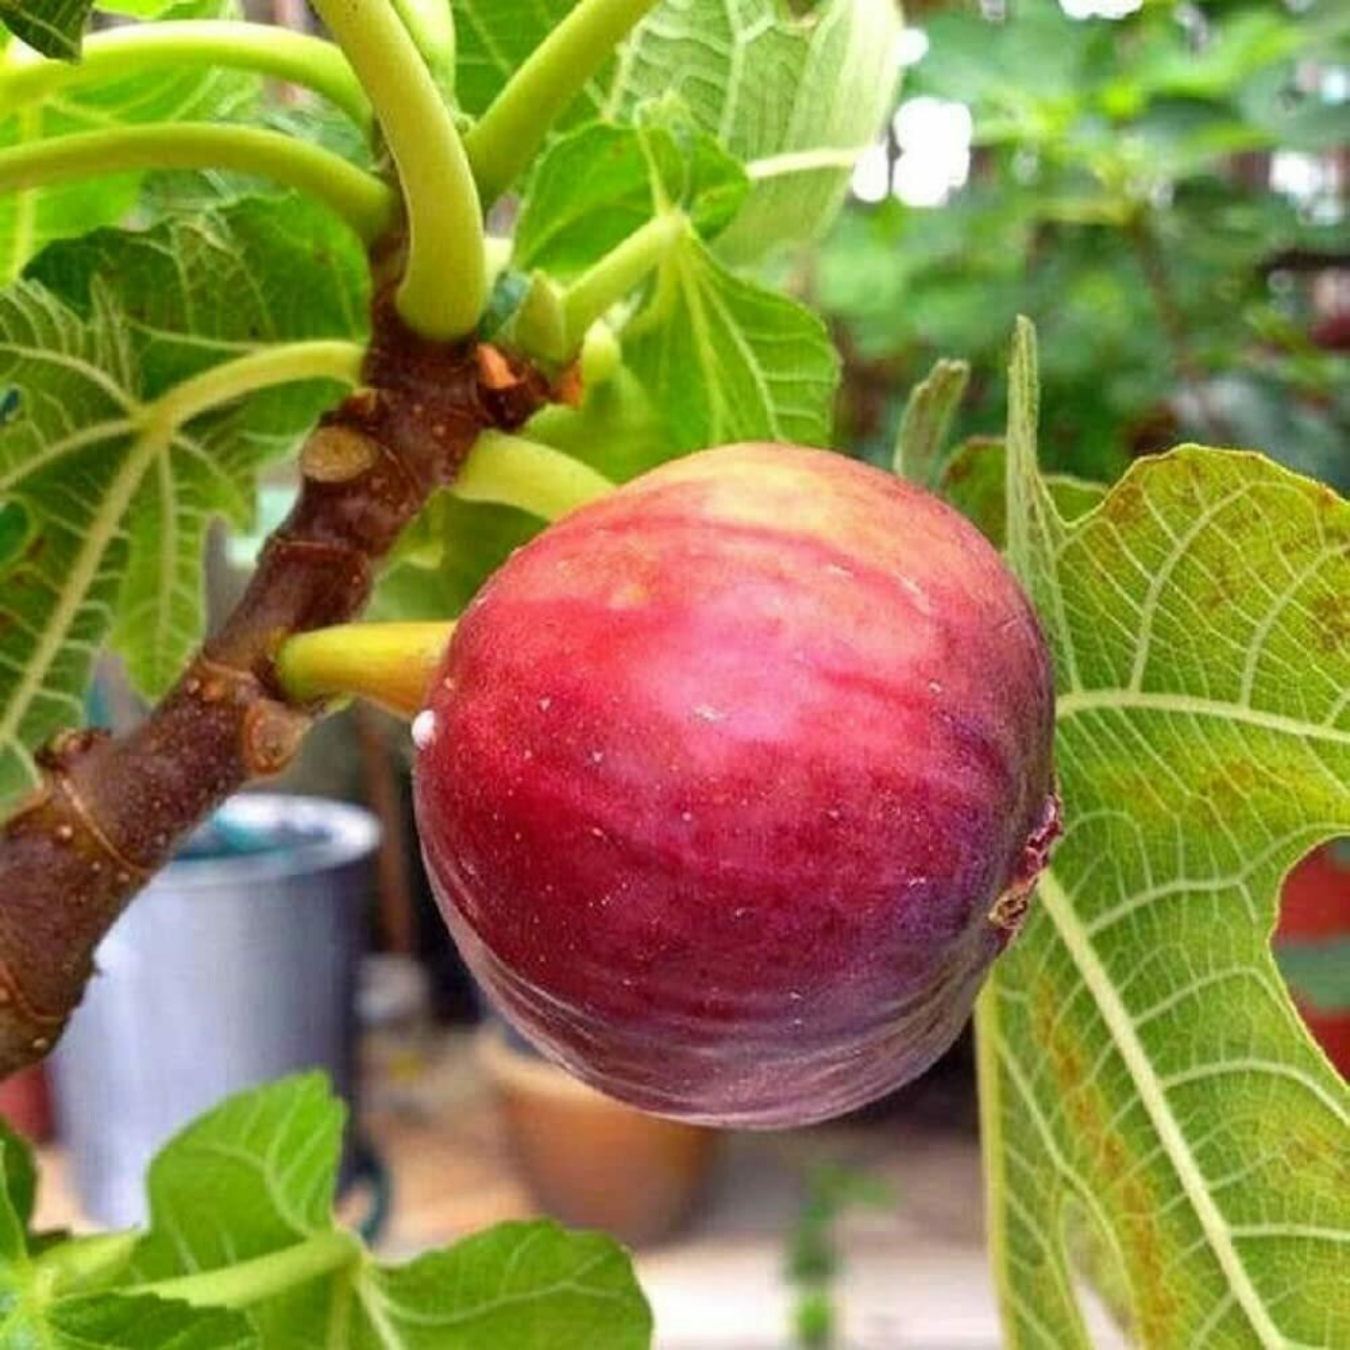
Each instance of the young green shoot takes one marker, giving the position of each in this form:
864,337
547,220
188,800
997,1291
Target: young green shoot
140,49
364,202
444,288
509,134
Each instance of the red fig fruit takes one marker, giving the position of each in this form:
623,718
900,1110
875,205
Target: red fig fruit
733,784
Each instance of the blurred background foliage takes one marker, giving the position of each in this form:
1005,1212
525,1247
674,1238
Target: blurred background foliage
1162,191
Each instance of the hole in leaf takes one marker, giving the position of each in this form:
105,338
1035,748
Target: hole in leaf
1312,947
1099,1282
11,401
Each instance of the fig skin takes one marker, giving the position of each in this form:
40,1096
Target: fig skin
735,782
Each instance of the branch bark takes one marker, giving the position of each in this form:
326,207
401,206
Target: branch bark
111,811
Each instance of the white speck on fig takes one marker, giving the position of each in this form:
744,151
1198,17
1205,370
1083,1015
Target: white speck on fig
921,600
424,729
545,704
708,713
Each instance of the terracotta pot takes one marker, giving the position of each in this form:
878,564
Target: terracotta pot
590,1161
1312,945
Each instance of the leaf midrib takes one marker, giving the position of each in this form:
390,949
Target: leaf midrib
1152,1096
103,528
1120,699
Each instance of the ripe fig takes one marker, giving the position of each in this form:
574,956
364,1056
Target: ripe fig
734,783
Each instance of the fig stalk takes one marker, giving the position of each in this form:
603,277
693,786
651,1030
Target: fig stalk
391,664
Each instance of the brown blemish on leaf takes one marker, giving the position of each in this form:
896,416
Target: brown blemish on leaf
1102,1154
1124,504
1331,622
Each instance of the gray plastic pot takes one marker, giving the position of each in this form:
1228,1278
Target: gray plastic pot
230,970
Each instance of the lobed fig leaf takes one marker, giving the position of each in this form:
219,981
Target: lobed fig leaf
1140,1061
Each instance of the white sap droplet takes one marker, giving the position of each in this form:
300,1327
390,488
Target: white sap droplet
545,704
934,686
424,729
708,713
597,756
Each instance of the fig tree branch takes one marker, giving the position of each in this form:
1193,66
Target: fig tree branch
510,133
444,288
110,811
361,199
140,49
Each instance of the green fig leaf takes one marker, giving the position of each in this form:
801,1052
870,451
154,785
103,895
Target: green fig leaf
1143,1072
116,515
762,81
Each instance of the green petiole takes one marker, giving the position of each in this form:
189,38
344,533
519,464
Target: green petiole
553,321
358,197
138,49
444,288
432,26
509,134
249,1282
284,363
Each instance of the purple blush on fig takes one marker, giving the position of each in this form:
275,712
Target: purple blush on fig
740,780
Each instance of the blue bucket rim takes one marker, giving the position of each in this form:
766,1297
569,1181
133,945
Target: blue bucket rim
343,834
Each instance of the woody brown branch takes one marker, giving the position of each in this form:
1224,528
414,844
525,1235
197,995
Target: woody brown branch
110,811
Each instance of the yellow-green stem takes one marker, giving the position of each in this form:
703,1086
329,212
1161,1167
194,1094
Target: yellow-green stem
248,1282
391,664
361,199
140,49
513,471
511,131
283,363
444,289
